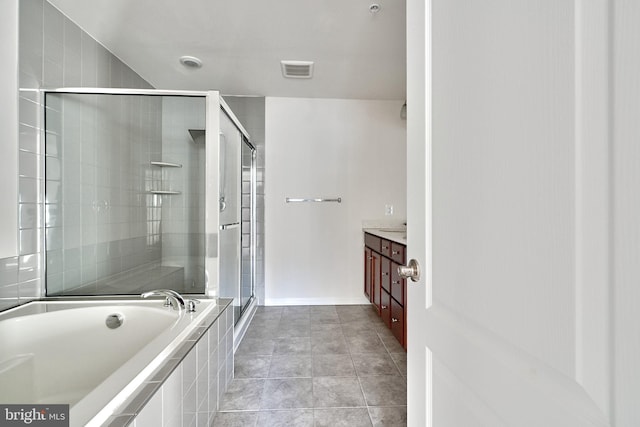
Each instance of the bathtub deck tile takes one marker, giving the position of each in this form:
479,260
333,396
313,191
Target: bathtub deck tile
141,397
210,319
165,370
195,335
182,351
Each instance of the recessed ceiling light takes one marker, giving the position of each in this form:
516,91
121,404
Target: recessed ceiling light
190,62
374,8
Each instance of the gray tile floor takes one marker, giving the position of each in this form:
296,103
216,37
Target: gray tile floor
317,366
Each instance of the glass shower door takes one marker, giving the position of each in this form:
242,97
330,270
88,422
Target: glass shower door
229,210
237,213
124,192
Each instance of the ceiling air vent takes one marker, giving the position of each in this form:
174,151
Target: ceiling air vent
297,69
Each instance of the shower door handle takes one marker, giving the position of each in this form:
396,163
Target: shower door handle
229,226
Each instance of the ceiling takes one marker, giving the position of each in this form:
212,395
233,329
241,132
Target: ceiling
357,54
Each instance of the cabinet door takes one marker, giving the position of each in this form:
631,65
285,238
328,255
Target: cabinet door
397,321
375,280
385,274
385,307
397,284
367,273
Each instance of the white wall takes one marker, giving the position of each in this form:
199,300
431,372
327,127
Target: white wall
353,149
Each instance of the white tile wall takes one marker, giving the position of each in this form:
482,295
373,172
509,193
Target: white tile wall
53,52
153,412
191,394
171,401
98,163
183,215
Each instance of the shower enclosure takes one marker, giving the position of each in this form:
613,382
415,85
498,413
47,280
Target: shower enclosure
142,191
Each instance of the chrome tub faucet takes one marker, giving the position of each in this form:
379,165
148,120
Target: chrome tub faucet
173,298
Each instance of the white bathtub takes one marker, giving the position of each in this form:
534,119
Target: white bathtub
63,352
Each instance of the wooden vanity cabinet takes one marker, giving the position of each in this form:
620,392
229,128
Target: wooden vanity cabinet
368,275
383,286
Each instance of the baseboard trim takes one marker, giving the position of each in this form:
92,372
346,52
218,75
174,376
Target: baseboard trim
316,301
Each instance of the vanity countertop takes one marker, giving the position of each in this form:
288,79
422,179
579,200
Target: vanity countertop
398,235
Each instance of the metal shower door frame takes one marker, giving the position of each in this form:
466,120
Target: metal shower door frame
213,104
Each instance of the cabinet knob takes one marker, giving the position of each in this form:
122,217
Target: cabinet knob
386,273
370,257
394,320
395,252
384,307
395,282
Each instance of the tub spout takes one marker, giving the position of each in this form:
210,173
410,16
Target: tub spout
174,299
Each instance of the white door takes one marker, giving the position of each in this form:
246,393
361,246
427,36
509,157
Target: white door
523,211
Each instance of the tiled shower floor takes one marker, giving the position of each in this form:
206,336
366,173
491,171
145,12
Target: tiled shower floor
317,366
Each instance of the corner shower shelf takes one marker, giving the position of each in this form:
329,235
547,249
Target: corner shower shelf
166,164
196,134
165,192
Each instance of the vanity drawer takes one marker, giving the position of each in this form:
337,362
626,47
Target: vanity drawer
372,242
397,252
397,284
385,247
385,274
